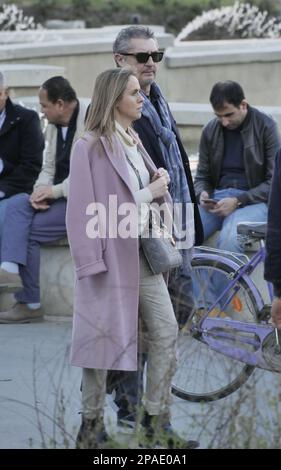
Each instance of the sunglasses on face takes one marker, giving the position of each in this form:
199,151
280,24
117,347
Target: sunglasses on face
143,57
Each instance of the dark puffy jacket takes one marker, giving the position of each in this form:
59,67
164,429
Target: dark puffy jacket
21,149
272,270
261,142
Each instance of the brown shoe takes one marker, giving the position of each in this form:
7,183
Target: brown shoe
10,282
20,313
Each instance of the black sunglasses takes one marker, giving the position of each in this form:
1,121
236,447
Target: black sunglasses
142,57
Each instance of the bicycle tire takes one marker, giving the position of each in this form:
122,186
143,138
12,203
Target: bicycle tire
183,385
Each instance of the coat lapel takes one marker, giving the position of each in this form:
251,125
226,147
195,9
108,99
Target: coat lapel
147,160
11,118
117,159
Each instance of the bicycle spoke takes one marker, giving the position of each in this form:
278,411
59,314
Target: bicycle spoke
204,374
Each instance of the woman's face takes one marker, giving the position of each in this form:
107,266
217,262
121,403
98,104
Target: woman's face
128,108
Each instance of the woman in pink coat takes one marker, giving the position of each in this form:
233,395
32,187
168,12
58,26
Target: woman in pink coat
107,211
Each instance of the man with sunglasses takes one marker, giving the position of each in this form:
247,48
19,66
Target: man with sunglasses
136,46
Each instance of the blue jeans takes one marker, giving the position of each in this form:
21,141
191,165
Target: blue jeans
207,290
25,229
227,239
3,206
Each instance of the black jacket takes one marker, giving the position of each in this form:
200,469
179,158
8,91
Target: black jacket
21,149
150,142
272,270
261,141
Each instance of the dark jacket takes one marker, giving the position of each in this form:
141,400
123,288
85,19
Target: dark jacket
21,149
261,141
150,142
272,270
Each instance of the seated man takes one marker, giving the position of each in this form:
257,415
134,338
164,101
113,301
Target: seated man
40,218
21,148
236,157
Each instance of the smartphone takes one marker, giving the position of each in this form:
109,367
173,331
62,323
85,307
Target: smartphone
210,201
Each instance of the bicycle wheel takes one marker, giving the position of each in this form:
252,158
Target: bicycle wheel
204,374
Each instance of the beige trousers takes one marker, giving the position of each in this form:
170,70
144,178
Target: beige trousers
157,314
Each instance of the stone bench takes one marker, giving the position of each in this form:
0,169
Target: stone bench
56,281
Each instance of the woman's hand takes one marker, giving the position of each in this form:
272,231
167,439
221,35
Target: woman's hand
160,172
159,187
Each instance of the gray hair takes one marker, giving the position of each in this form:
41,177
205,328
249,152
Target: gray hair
121,43
3,82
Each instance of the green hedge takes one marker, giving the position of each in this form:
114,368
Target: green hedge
172,14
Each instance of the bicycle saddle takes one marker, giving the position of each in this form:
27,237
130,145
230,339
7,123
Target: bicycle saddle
252,229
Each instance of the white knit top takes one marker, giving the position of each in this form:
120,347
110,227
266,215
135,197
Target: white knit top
142,196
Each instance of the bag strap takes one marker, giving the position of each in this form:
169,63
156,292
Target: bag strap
136,172
151,218
140,184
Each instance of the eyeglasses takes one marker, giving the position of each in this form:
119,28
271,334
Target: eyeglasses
142,57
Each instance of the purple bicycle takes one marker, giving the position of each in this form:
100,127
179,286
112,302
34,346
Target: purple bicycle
229,333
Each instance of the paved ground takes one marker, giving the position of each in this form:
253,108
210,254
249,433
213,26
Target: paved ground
39,391
40,398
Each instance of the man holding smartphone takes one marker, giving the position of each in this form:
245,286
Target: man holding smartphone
210,202
236,155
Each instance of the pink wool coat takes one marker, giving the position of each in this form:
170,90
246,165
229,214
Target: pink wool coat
105,322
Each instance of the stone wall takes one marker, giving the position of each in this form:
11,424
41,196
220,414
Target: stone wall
191,117
186,74
82,53
25,79
191,69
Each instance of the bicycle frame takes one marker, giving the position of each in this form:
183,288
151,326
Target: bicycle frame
223,335
216,331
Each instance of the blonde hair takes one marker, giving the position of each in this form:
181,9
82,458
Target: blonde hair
109,87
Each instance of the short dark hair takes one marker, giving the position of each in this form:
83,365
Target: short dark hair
59,88
228,91
131,32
